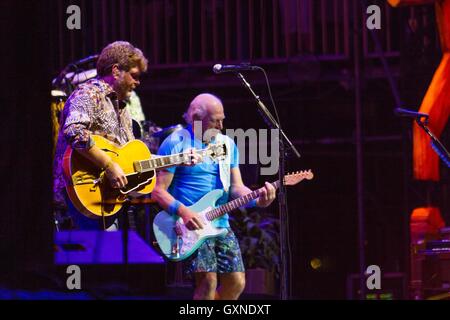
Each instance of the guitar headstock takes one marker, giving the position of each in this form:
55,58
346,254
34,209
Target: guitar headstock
217,151
294,178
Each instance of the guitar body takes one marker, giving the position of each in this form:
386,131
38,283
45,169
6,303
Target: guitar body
178,243
177,247
90,191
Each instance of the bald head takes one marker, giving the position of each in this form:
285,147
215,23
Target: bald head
208,109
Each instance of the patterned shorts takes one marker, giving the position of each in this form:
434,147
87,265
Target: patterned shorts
220,254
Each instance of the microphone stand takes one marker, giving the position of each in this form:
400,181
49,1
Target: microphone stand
282,196
437,146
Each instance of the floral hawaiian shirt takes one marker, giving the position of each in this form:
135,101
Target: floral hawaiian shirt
92,108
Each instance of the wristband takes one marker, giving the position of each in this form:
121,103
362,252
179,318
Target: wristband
173,207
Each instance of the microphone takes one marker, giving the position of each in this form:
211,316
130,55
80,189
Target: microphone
410,114
218,68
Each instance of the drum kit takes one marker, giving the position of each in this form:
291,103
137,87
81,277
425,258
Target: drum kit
151,134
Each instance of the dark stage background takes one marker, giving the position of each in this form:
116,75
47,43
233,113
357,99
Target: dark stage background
313,83
26,228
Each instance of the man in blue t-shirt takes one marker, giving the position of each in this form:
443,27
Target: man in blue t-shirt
217,259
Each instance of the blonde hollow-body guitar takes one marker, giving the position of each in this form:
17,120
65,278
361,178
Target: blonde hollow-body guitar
177,242
90,191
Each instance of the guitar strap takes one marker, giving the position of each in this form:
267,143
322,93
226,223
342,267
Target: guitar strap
225,164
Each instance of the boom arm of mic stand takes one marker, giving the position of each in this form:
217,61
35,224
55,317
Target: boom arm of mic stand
267,116
438,147
284,228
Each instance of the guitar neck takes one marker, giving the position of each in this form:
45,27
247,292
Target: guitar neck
236,203
165,161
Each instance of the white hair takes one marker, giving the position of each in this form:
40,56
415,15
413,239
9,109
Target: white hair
198,108
195,112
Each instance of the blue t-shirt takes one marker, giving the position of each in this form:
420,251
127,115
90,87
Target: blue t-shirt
189,184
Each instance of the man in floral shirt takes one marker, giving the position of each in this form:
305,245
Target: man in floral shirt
97,107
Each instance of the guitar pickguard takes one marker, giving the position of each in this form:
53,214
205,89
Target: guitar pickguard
137,181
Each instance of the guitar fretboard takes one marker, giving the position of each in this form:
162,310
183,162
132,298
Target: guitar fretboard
166,161
236,203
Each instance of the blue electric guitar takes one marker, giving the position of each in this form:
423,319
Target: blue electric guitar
177,242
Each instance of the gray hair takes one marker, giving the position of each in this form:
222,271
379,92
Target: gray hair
197,109
195,112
